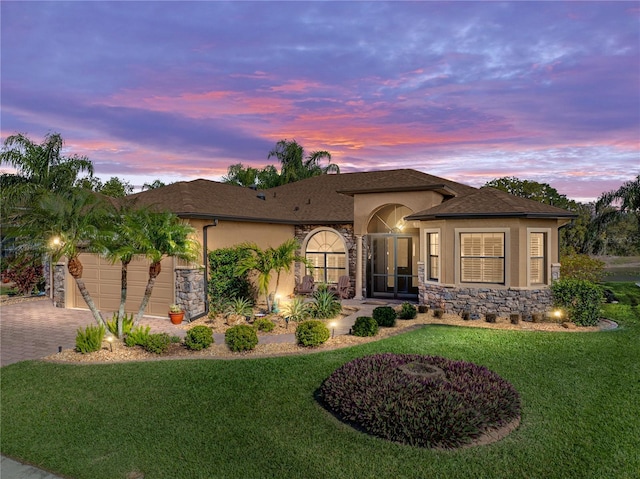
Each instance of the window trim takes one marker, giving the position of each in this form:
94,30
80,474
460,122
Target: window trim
547,256
305,243
507,255
427,250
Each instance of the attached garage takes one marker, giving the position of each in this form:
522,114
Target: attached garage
103,282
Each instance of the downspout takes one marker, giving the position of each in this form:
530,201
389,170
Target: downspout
205,259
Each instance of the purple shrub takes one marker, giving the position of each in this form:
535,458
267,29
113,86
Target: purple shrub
396,397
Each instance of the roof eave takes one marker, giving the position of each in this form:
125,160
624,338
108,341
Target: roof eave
441,188
460,216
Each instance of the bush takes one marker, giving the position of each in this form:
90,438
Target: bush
241,338
199,337
297,310
407,311
438,313
465,315
365,326
90,339
224,281
514,318
127,324
490,317
325,305
263,324
312,333
581,299
583,267
158,343
423,308
25,270
425,401
137,336
385,316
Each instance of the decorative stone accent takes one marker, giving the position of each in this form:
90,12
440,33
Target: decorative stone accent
190,291
484,300
59,275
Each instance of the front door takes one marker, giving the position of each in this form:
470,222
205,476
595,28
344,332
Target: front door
391,266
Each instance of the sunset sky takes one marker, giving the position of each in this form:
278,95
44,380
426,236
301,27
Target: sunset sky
470,91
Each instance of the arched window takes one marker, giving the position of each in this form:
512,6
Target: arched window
326,252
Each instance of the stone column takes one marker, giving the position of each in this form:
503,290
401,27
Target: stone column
358,291
555,271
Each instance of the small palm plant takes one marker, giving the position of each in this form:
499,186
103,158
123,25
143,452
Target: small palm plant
297,310
239,306
324,305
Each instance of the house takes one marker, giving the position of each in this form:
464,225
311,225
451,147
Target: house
397,234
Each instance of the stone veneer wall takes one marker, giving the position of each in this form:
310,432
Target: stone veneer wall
59,275
483,299
190,291
346,231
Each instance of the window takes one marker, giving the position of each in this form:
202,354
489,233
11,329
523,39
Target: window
433,256
482,257
325,251
537,259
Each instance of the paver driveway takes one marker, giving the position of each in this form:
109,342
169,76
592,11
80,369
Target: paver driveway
34,329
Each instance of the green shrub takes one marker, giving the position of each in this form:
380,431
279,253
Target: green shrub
407,311
127,324
582,266
312,333
385,316
224,281
199,337
90,339
365,326
263,324
158,343
241,338
137,336
296,310
325,305
581,299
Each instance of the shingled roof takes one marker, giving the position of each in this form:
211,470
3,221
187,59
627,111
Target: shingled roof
328,199
321,199
491,203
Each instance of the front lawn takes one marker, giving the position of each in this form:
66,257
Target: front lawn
257,418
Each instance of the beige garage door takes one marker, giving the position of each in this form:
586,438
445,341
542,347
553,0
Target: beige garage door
103,282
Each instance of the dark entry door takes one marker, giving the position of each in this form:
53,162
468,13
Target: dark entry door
390,269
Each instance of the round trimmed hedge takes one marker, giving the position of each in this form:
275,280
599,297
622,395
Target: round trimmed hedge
425,401
312,333
241,338
364,326
199,337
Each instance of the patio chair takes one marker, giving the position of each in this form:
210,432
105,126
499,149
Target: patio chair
344,287
307,286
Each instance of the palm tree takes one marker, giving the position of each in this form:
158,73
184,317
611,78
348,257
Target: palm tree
295,166
165,235
65,223
270,259
39,168
628,195
123,240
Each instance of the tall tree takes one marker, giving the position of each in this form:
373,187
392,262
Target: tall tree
153,185
166,235
39,168
295,166
613,210
116,188
240,175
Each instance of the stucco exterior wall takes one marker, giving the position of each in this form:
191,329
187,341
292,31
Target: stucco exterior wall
365,205
232,233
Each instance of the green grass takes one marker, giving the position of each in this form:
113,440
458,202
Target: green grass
257,418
